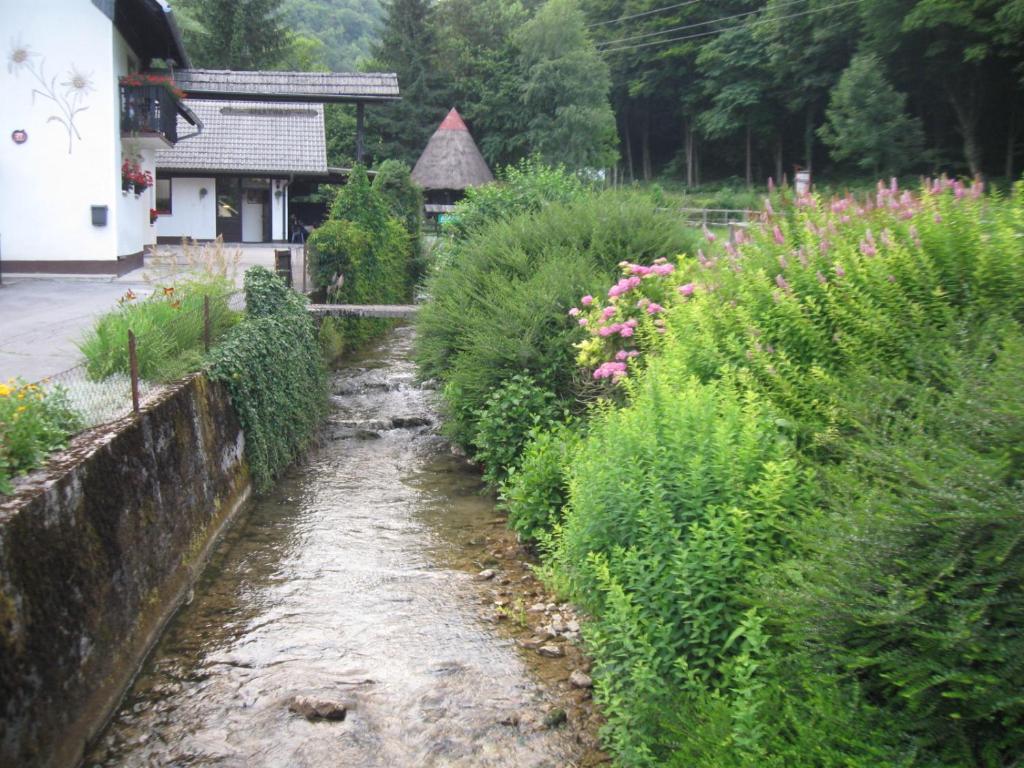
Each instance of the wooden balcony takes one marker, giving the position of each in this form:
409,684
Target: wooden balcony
149,115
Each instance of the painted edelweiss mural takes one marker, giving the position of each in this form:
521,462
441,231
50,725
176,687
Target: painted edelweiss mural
68,96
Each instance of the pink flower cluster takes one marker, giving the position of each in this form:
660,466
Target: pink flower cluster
613,370
640,297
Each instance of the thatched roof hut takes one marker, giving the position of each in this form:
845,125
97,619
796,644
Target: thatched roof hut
451,162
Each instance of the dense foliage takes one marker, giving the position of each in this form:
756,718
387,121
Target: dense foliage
169,328
499,298
525,82
713,90
795,517
271,365
234,34
523,188
363,253
345,29
34,421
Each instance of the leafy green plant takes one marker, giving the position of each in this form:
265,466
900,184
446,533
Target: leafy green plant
498,305
362,255
799,537
536,491
524,188
272,367
504,422
168,328
34,421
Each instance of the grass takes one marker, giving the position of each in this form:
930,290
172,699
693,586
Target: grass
168,328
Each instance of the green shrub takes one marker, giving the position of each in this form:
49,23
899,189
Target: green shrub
676,503
33,423
272,368
331,336
168,328
505,421
404,199
498,306
535,491
801,539
520,189
912,584
368,249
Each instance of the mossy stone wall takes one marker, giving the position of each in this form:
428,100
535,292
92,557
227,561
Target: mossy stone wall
97,551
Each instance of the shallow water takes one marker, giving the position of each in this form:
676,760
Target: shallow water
353,581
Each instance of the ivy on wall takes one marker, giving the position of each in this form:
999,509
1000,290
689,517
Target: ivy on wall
272,367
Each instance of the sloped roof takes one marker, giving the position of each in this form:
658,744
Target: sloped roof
251,137
149,28
451,159
319,87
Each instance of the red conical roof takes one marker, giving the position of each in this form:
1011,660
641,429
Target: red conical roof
453,122
451,159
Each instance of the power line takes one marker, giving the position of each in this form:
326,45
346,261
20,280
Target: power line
609,43
645,13
726,29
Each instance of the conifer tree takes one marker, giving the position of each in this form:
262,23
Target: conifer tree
236,34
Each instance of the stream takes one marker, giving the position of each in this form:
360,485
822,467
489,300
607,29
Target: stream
356,583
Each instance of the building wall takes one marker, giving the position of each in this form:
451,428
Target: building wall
192,214
46,191
279,209
134,231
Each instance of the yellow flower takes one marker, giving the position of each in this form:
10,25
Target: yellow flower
4,390
21,409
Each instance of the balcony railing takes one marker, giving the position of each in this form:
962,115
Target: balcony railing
149,110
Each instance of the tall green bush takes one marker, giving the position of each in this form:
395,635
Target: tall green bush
271,365
362,255
523,188
498,307
800,539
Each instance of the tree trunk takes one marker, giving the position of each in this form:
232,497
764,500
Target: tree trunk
696,161
628,134
965,107
778,158
645,149
1011,141
750,177
809,138
688,142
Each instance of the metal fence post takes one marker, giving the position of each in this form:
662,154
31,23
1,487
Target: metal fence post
133,366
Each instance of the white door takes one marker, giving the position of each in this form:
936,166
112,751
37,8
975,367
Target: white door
252,215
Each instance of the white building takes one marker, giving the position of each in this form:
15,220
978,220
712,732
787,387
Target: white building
234,180
67,125
79,99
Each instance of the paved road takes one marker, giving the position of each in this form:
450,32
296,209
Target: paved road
41,319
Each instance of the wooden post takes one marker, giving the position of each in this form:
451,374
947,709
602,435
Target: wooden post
360,109
206,323
133,367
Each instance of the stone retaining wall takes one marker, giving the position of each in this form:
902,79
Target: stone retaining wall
97,550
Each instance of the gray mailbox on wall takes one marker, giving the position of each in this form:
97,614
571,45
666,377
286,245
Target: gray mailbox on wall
99,215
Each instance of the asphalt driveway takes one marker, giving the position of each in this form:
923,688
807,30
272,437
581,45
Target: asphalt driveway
41,319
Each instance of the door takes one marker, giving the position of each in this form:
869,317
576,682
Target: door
253,206
229,210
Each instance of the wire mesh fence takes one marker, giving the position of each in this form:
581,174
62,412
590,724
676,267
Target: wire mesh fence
97,401
129,359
